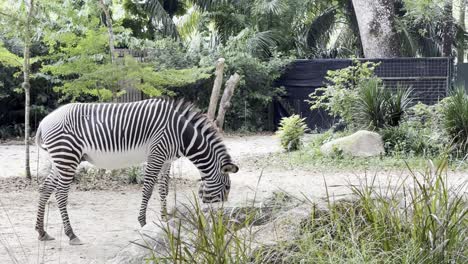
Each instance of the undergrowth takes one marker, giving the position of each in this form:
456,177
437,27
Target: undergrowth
311,158
418,219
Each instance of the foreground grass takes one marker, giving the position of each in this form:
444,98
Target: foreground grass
421,220
424,224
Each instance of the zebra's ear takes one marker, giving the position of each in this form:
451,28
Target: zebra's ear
229,168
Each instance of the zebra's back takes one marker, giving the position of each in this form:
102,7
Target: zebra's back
111,135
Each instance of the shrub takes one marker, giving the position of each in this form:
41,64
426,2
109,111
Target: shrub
291,131
340,93
408,140
455,119
377,107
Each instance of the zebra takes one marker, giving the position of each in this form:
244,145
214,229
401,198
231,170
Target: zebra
117,135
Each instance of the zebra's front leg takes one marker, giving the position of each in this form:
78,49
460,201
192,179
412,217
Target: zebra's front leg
153,167
45,191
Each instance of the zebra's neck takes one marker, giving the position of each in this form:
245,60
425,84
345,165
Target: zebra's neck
201,144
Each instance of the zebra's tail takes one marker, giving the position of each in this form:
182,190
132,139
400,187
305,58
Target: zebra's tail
39,138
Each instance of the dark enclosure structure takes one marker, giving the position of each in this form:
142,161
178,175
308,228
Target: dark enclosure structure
430,79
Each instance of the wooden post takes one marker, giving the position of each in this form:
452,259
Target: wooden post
109,28
216,88
225,104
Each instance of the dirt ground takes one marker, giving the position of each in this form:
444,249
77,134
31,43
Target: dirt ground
107,219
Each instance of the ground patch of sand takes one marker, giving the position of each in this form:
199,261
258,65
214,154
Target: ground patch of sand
107,219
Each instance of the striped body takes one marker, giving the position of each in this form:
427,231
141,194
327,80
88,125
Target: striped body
118,135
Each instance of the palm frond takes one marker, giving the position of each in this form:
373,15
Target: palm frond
188,23
160,18
262,43
269,7
321,28
207,5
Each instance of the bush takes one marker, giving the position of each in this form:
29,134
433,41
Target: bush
291,131
455,119
408,140
340,93
377,107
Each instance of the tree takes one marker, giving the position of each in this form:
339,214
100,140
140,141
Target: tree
109,28
461,21
448,31
23,15
376,20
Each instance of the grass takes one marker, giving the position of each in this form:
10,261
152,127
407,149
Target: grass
424,224
420,220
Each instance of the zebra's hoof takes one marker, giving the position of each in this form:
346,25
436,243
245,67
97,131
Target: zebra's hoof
76,241
46,237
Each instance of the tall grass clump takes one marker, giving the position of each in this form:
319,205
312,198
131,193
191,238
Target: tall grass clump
205,236
417,220
291,131
377,107
455,119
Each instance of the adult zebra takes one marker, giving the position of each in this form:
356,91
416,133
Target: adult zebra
116,135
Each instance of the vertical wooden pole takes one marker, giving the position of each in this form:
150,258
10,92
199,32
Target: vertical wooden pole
216,89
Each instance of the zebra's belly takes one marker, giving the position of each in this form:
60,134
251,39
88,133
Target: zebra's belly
115,160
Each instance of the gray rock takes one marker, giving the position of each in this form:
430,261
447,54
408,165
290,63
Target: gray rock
360,144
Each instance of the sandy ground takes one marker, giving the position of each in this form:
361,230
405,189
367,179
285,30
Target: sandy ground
107,220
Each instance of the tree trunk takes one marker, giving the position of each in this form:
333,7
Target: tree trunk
461,21
216,89
109,28
376,21
225,104
448,35
27,87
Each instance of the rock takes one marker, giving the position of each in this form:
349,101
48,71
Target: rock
360,144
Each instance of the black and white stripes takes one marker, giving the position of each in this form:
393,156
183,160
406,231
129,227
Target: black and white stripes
117,135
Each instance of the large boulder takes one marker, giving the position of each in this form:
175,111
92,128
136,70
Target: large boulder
360,144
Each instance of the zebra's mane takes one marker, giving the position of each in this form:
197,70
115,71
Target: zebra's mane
194,115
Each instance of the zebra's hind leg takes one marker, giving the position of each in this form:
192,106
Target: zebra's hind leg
66,172
153,167
45,191
163,186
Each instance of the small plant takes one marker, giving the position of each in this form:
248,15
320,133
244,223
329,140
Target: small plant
455,119
291,131
134,175
205,236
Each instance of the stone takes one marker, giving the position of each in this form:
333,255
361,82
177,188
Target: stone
363,143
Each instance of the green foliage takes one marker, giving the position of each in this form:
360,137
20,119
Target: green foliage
455,119
291,131
9,59
377,107
169,54
379,225
82,67
256,89
341,92
208,237
406,140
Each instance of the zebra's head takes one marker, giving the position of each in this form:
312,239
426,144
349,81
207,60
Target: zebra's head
215,188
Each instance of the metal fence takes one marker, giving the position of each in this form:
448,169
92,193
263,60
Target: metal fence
430,79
